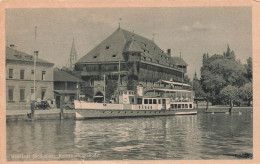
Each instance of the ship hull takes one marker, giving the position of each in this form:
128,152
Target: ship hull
95,113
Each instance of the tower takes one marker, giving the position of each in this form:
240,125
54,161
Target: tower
73,56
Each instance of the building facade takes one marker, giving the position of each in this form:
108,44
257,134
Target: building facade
20,79
66,86
125,60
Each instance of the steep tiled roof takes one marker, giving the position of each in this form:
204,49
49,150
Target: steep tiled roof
179,61
112,48
64,76
12,54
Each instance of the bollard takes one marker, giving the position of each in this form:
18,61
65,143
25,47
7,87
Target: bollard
207,104
32,109
61,107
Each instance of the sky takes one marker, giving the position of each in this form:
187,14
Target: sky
189,30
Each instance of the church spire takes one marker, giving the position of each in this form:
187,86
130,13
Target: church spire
73,55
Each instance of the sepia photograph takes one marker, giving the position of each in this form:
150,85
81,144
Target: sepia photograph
135,83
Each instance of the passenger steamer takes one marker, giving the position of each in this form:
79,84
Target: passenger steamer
165,101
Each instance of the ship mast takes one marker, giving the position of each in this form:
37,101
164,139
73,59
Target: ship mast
104,88
118,74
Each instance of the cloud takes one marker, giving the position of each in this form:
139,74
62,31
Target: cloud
197,26
185,28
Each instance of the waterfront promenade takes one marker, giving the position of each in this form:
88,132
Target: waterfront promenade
55,113
23,115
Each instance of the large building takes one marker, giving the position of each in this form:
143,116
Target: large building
136,59
20,79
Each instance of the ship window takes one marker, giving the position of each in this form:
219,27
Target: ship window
154,101
145,101
150,101
139,100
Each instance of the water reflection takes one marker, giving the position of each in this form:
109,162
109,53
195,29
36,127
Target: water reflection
202,136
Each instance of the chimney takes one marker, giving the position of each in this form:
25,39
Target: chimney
36,53
12,46
169,52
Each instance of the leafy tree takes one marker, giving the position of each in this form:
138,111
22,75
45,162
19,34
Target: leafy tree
247,93
219,71
229,94
196,86
187,80
249,68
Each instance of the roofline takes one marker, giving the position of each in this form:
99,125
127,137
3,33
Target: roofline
167,67
101,62
26,61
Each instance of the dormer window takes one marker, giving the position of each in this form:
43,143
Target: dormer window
107,47
94,57
144,44
114,55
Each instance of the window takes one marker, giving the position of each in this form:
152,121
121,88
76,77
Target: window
150,101
43,93
22,94
190,105
115,67
107,47
92,82
10,94
11,73
145,101
159,101
139,100
94,57
32,74
21,74
43,75
154,101
114,56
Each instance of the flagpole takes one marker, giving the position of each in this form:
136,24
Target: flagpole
34,64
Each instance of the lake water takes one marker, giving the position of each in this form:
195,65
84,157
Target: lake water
202,136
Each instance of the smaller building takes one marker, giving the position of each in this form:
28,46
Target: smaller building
20,74
65,85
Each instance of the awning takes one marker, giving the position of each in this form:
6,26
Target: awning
167,90
98,96
65,91
174,83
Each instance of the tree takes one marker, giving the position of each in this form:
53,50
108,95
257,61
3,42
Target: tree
187,80
249,69
196,86
229,94
219,71
247,93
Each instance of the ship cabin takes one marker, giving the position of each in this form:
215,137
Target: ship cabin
180,94
139,102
